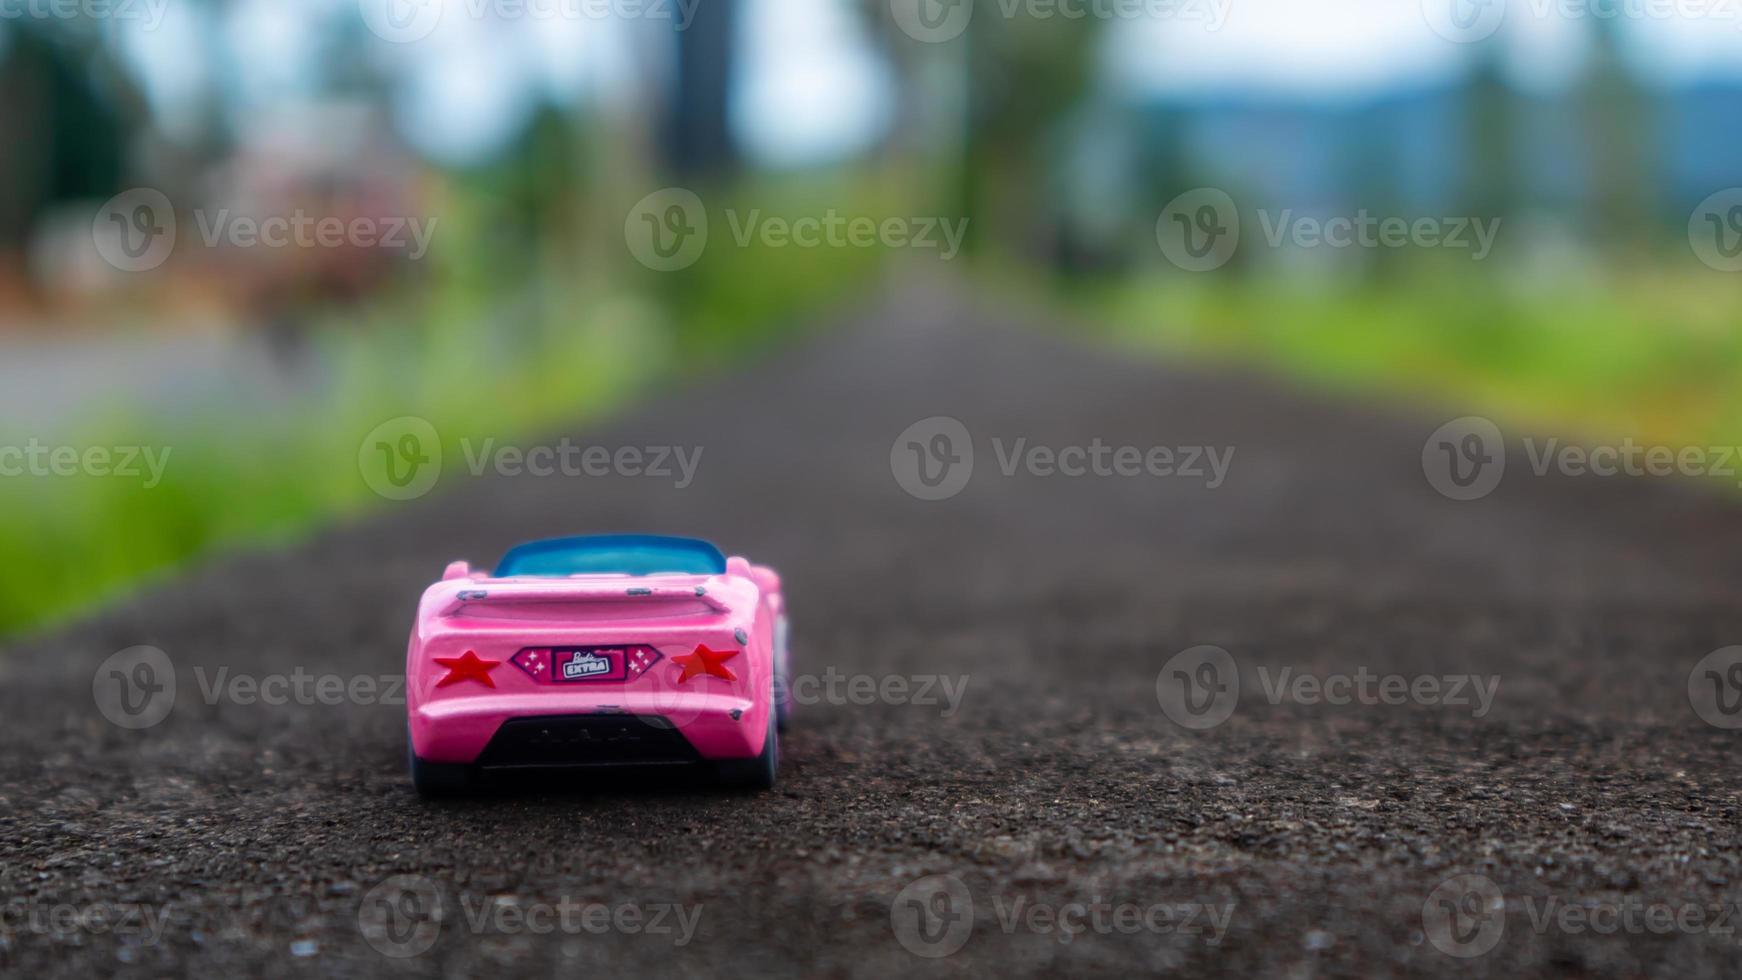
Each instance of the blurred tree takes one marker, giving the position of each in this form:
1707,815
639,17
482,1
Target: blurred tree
1026,75
1620,125
69,118
1492,174
697,141
996,100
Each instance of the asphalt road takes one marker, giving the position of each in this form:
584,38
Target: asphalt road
1295,838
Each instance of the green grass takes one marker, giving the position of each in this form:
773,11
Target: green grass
1651,353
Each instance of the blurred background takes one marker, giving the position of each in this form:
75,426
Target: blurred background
247,232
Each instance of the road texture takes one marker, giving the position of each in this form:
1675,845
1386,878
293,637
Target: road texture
1296,838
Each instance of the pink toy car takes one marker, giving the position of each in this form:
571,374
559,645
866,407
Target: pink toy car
609,650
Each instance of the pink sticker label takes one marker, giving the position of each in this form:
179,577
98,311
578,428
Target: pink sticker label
578,665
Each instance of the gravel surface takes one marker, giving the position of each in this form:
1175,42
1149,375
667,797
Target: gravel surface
1018,637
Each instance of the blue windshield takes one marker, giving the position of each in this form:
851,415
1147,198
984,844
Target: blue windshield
617,554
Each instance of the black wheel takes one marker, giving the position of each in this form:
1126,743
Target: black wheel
783,676
757,773
783,705
437,779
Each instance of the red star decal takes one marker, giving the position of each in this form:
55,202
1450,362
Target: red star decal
705,661
467,668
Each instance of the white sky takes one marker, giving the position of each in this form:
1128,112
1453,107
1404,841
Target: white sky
1330,48
813,89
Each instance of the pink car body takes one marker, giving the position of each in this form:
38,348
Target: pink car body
557,661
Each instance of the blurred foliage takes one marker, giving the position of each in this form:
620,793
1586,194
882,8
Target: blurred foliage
1648,351
475,360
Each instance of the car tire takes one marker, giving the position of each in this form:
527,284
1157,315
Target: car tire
783,674
758,773
434,780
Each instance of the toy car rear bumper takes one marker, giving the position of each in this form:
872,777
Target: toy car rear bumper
518,730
